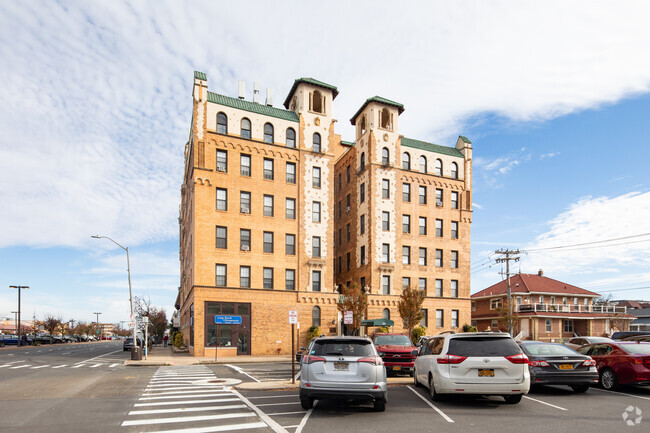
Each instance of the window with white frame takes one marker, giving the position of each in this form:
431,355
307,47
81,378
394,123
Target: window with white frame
422,259
220,273
440,319
245,165
385,251
438,288
406,255
222,199
422,224
385,284
290,212
385,188
268,205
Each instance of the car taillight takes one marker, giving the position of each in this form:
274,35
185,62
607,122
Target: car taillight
519,358
538,364
310,359
451,359
589,363
375,360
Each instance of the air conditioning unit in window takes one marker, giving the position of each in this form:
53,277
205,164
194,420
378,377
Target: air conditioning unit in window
348,209
245,248
221,169
245,210
439,203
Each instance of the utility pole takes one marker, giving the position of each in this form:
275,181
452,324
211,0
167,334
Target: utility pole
19,288
514,256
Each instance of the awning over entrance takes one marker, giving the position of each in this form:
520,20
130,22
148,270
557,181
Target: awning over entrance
378,322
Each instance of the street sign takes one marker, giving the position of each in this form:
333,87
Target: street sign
227,320
348,318
293,317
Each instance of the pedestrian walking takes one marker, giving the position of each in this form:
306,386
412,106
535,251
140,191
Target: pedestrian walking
165,338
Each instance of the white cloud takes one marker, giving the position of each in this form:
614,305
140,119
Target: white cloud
549,155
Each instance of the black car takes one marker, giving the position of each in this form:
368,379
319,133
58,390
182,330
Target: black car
128,343
622,335
555,364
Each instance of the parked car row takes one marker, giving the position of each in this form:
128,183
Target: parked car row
29,339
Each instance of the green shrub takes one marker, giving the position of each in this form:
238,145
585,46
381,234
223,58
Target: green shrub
468,328
178,339
314,331
418,331
382,329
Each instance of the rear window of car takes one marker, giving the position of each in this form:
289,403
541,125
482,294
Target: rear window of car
636,348
342,348
483,346
547,349
600,340
392,340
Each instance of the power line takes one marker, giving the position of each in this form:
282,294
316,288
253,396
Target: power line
590,243
624,290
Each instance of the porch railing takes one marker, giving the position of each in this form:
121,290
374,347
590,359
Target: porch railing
571,308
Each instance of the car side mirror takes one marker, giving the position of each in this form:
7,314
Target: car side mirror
415,353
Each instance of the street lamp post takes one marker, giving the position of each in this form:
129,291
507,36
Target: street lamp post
19,287
128,270
102,332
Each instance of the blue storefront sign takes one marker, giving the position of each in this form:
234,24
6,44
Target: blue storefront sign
227,320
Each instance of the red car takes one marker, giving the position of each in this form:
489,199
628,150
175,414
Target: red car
398,352
620,362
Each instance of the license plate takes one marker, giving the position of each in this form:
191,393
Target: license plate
566,366
486,372
341,366
397,368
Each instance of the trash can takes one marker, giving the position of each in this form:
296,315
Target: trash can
136,354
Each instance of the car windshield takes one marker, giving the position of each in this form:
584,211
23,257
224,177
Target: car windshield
547,349
636,348
392,340
483,346
342,348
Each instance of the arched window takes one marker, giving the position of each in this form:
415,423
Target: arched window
386,119
438,168
222,123
245,128
316,142
291,138
362,124
385,156
423,164
362,162
317,102
386,314
454,170
315,316
406,161
268,133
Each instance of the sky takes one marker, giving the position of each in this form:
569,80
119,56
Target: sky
96,108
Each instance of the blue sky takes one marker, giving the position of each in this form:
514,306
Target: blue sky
96,107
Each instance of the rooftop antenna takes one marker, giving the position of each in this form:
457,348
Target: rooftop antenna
256,92
269,97
242,89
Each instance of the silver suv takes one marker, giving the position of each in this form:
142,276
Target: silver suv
484,363
343,368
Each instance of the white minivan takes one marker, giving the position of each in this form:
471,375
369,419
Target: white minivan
484,363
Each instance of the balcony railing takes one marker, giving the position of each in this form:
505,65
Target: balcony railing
571,308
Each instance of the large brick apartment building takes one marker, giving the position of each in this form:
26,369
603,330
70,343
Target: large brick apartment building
276,212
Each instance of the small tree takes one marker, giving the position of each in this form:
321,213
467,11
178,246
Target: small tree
410,308
51,325
418,331
354,299
506,318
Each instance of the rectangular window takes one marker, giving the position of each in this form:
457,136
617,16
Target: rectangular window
362,255
291,172
290,279
268,242
473,306
454,229
454,259
222,237
362,193
245,202
422,193
454,200
268,169
548,325
454,318
340,267
347,229
290,212
406,283
425,318
347,202
362,224
245,277
406,255
339,208
347,174
220,273
340,184
347,261
568,326
315,212
494,324
363,284
290,244
440,319
439,258
385,249
438,288
385,284
438,197
423,257
454,288
422,284
495,304
268,205
315,281
245,165
385,218
438,228
422,224
385,188
315,246
222,161
222,199
268,278
406,192
315,179
244,239
406,223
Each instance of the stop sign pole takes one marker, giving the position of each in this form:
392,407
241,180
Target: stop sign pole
293,319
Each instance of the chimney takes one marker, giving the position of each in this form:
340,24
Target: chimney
540,273
269,97
242,89
256,92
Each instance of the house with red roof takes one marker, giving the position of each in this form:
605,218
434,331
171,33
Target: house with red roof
546,309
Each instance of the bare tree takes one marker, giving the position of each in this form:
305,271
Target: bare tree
157,316
410,308
354,299
51,324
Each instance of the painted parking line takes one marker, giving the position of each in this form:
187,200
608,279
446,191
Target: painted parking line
186,409
20,366
304,419
221,428
95,366
61,366
441,413
40,366
621,393
239,370
113,365
543,402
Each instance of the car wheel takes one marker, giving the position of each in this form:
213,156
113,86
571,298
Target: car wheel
416,383
2,344
432,390
380,405
306,402
608,379
512,399
579,388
